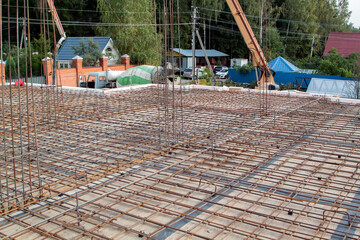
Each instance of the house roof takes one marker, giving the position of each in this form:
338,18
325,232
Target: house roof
345,43
200,53
67,53
280,64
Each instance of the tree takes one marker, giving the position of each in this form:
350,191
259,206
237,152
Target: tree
90,52
273,45
135,34
13,68
35,64
335,64
308,62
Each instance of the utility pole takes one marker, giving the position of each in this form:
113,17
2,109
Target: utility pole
23,33
288,28
261,20
193,42
206,58
204,34
312,46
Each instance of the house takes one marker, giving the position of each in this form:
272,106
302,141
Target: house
345,43
186,57
106,45
280,64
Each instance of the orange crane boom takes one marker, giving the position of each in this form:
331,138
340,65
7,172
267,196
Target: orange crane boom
257,55
57,23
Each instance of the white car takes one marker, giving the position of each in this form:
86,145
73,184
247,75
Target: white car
223,73
188,72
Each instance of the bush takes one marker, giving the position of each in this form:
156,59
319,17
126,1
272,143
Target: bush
286,87
245,69
335,64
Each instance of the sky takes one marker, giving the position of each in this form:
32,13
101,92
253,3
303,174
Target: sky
354,6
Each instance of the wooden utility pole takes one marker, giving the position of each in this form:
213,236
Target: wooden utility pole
193,43
312,46
206,58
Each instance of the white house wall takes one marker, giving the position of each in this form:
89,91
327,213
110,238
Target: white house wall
114,54
188,62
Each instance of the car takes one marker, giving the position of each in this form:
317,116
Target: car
223,73
219,68
188,72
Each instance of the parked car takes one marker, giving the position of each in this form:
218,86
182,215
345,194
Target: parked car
219,68
223,73
188,72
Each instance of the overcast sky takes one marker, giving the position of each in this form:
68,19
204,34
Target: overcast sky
354,6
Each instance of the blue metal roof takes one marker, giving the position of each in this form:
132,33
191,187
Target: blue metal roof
67,53
200,53
280,64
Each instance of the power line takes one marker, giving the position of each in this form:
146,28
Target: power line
306,35
92,24
280,31
93,11
279,19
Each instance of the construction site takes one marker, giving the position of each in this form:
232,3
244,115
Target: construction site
165,161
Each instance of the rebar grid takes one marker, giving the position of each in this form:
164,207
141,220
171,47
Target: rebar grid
112,169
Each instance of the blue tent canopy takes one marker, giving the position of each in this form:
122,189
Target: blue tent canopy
280,64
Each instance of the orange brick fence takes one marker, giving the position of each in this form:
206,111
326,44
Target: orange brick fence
69,77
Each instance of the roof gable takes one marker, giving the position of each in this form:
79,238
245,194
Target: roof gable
200,53
280,64
345,43
66,51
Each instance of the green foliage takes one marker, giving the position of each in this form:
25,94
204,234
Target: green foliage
290,37
10,69
41,45
286,87
36,65
274,46
335,64
137,37
90,52
244,69
253,85
206,76
230,83
309,62
35,61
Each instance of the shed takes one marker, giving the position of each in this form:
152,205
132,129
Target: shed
186,57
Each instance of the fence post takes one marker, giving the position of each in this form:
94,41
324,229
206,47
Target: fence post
125,59
47,67
77,64
2,72
104,63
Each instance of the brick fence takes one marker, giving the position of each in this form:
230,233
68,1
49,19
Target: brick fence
69,77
